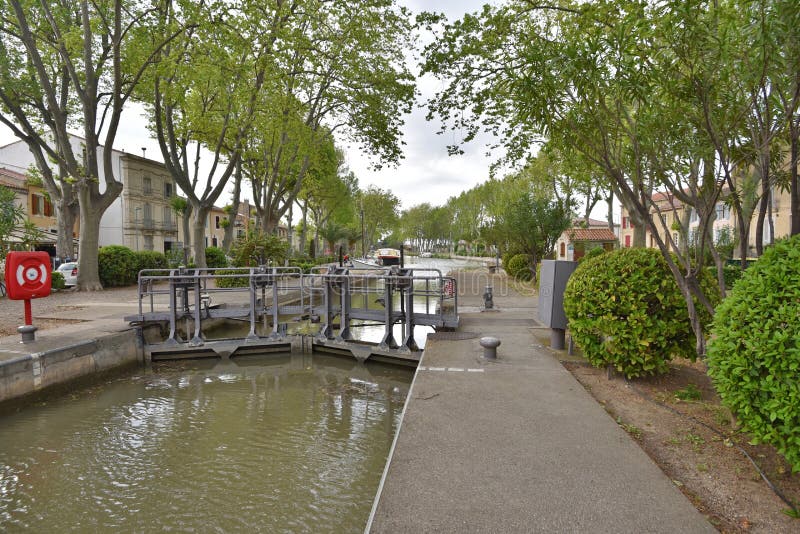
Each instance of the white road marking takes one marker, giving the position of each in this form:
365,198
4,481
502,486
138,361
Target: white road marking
455,369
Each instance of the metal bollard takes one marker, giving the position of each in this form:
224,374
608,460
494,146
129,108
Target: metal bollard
488,298
490,345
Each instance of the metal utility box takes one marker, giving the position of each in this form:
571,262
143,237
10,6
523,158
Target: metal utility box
553,278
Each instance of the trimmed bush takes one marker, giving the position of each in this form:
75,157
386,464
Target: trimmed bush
519,267
625,309
237,281
215,257
117,266
58,281
149,259
754,353
592,253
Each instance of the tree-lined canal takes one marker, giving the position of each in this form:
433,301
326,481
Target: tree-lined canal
271,443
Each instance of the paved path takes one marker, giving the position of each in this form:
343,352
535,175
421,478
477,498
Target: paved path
517,445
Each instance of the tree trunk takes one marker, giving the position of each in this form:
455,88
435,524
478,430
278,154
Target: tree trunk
610,215
794,186
762,211
198,236
304,231
187,235
67,211
227,239
88,270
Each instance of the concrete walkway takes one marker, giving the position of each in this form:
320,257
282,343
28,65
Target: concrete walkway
516,445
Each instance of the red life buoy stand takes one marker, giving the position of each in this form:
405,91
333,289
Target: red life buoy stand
28,277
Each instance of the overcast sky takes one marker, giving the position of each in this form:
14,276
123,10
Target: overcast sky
426,174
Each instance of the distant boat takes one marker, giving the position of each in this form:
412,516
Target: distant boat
361,264
387,256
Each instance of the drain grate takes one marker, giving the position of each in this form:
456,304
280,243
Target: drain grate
453,336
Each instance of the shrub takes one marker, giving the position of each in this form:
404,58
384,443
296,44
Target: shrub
215,257
257,248
754,354
58,281
236,281
625,309
592,253
730,273
149,259
117,266
519,267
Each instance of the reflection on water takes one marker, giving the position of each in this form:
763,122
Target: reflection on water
268,443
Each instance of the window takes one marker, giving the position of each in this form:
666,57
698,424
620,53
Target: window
723,212
41,206
167,190
214,242
216,223
693,218
167,215
563,248
148,242
147,185
148,216
627,241
624,222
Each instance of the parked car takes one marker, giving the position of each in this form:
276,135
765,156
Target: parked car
426,254
70,272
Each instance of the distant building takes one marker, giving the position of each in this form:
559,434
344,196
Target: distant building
584,235
673,216
140,218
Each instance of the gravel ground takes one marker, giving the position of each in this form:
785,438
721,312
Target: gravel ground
54,311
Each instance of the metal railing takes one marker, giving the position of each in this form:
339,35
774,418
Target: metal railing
386,296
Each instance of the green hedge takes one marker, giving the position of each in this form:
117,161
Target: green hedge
519,267
117,266
730,273
625,309
215,257
754,352
58,281
237,281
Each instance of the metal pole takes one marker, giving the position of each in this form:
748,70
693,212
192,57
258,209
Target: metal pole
363,247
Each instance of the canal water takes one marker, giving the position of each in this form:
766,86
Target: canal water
273,443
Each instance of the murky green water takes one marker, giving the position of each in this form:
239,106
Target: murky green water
271,444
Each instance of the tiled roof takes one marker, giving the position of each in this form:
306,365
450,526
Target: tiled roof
12,179
591,234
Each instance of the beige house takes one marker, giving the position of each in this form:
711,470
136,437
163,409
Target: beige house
148,220
672,212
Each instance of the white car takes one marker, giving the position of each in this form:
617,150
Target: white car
70,272
426,254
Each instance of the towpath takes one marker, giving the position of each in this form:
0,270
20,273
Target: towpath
516,444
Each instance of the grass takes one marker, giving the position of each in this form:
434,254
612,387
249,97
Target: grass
634,431
689,393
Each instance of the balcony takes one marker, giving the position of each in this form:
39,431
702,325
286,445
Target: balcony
151,225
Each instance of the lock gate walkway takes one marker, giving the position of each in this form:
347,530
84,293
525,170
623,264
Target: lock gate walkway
516,444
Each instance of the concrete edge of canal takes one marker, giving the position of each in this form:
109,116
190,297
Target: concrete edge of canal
32,368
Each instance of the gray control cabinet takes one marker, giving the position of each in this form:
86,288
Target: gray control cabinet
553,278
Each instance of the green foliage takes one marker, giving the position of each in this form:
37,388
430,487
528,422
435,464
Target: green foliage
235,281
257,248
690,392
11,217
625,309
117,266
754,353
215,257
149,259
520,267
592,253
730,273
58,280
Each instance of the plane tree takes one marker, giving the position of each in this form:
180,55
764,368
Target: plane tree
72,66
642,90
